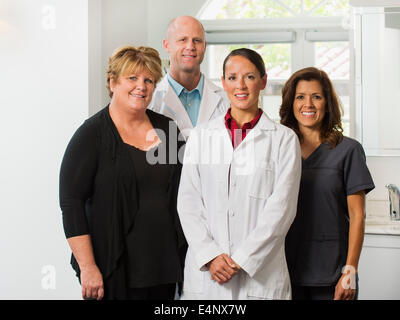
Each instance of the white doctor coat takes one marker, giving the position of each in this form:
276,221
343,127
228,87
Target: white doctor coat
214,102
241,202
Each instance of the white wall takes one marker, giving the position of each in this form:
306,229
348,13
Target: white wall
384,170
53,56
44,98
123,22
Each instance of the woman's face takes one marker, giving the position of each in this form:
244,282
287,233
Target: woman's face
309,104
133,91
243,83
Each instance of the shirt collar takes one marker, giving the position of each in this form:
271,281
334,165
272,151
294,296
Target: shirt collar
247,125
178,88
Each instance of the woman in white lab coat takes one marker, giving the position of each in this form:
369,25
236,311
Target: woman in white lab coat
238,194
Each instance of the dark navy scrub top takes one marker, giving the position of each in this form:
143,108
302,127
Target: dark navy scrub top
316,244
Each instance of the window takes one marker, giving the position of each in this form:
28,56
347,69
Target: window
245,9
333,58
289,35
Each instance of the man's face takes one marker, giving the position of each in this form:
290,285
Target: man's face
185,45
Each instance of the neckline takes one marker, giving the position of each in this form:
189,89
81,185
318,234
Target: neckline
151,148
153,122
312,153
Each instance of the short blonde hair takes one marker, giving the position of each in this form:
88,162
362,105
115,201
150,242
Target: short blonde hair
130,59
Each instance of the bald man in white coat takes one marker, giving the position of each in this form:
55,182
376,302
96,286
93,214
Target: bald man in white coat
185,94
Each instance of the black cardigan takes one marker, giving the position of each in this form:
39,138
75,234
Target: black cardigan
97,184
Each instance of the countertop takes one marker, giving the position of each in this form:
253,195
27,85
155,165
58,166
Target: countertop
378,219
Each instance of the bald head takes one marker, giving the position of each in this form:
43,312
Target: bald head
182,22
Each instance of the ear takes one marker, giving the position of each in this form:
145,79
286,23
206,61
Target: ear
165,45
223,82
264,82
112,83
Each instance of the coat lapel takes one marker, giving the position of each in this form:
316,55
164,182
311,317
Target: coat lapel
209,101
263,124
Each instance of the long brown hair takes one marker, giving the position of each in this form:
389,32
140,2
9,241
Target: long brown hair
331,128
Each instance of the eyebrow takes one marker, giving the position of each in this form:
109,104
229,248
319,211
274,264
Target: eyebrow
233,73
311,93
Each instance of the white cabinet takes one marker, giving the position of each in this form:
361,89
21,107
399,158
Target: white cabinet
377,77
379,268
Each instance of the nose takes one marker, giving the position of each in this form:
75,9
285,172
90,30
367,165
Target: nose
190,45
241,84
308,101
141,85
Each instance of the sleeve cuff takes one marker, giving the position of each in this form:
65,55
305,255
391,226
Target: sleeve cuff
245,263
366,187
206,255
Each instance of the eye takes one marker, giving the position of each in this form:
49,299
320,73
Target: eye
251,77
231,78
133,78
198,40
317,97
149,81
299,97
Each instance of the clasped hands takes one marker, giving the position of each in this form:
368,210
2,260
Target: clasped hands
222,268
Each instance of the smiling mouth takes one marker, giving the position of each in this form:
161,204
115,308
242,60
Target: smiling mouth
241,96
309,113
137,95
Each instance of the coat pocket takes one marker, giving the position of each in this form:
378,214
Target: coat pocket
272,282
193,280
262,181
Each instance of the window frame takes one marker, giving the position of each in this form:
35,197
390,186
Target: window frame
301,32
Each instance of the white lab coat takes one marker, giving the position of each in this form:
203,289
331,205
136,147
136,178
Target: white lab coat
241,202
214,102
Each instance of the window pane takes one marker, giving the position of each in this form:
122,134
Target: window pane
333,58
244,9
328,8
276,58
247,9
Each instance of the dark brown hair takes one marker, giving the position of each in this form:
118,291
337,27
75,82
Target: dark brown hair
331,127
251,55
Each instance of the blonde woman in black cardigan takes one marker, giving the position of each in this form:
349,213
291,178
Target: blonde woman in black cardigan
118,184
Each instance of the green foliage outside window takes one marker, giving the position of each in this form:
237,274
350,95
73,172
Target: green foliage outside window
248,9
277,54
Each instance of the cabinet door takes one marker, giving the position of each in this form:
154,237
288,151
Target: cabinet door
377,68
379,268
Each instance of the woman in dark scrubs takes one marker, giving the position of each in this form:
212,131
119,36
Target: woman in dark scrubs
324,243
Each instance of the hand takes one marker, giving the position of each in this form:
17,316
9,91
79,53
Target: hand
223,268
345,288
92,283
